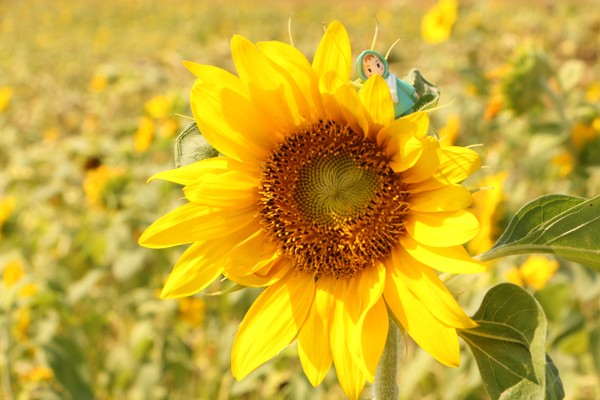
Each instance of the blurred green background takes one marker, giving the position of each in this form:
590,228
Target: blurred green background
92,96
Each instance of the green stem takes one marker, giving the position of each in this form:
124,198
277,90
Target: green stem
386,377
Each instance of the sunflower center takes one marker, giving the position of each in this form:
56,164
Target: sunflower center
334,189
330,201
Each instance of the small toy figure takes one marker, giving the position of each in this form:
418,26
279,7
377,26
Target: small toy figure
404,95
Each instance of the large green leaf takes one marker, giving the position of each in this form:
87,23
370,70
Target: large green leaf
509,346
563,225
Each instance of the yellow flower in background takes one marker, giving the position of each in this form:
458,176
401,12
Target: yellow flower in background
13,272
592,94
7,207
159,119
485,206
583,133
565,163
449,133
97,180
35,374
191,310
144,135
535,272
6,94
159,106
99,82
338,210
437,23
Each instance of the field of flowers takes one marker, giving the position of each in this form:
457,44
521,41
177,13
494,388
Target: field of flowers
92,98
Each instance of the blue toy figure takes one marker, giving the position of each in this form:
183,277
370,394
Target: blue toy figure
404,95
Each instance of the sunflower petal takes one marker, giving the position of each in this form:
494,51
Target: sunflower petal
267,86
192,273
251,255
314,348
364,291
351,376
447,198
375,96
374,334
426,286
456,165
266,276
454,260
292,60
187,174
436,338
427,164
272,322
194,223
443,229
334,54
212,107
352,109
230,189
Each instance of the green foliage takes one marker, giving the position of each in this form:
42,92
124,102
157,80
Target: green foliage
191,146
509,346
81,83
563,225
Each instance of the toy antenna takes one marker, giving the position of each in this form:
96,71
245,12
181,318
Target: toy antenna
391,47
290,29
376,32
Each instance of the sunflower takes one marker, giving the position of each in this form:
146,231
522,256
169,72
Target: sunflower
338,210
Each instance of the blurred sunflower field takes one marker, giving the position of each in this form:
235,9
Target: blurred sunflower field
92,98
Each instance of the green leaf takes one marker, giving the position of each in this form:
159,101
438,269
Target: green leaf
563,225
191,146
429,94
509,345
554,387
67,362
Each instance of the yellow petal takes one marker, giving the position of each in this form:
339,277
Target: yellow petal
214,75
187,174
194,223
364,291
329,85
267,86
215,109
334,54
265,276
351,376
443,229
314,348
427,164
272,322
426,286
251,255
374,335
456,165
436,338
454,260
193,271
447,198
231,189
375,96
300,71
354,113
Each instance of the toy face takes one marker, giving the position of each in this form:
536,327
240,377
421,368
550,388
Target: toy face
372,65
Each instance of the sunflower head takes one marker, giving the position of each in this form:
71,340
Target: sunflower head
321,196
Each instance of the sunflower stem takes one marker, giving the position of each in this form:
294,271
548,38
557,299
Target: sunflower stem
386,382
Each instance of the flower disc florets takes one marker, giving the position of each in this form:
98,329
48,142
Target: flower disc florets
331,202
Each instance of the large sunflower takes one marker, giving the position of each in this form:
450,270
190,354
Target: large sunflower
321,197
